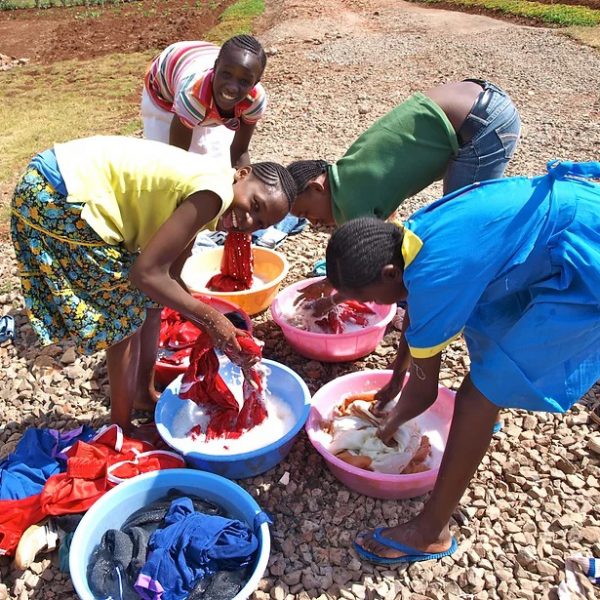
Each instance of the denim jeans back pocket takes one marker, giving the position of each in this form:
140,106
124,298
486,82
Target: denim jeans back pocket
508,133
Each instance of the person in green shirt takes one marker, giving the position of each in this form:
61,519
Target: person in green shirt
460,132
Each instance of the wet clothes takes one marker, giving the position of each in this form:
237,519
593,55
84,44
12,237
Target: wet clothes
236,265
203,384
191,547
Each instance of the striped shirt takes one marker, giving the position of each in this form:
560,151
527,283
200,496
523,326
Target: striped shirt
179,80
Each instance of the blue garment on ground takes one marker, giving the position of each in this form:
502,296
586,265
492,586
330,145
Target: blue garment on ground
515,264
192,546
271,237
37,456
274,236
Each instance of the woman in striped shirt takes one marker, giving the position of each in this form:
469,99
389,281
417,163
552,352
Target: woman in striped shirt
206,99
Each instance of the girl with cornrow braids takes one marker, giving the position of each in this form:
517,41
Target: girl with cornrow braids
462,132
102,227
206,99
514,266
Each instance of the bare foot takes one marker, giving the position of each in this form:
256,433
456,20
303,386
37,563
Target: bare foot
408,534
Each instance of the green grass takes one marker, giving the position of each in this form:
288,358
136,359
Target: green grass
236,19
70,99
555,14
73,99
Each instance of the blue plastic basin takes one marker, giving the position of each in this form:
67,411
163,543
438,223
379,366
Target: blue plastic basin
113,509
283,383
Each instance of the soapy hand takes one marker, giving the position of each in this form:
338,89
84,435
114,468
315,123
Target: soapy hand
224,337
314,291
387,393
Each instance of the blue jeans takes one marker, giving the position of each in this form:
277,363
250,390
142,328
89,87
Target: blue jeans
495,126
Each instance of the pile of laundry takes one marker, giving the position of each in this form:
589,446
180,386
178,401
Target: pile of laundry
52,474
351,434
178,547
178,335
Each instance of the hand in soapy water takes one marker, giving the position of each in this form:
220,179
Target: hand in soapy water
225,337
320,297
314,291
387,393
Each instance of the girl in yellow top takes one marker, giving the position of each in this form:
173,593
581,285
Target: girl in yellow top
101,228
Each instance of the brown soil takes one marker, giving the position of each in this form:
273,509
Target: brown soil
46,36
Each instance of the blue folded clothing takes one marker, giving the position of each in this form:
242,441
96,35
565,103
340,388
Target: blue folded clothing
271,237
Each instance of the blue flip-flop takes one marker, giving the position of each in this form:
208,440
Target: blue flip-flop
497,427
411,554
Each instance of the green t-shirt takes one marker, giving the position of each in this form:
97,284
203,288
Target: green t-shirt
399,155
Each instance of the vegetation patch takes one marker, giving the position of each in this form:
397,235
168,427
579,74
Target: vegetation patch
555,14
236,19
70,99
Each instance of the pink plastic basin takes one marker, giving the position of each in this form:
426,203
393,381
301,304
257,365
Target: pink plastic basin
328,347
435,423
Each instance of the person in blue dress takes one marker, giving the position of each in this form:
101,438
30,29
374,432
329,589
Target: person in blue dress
513,265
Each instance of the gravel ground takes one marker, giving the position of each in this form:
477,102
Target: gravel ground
333,70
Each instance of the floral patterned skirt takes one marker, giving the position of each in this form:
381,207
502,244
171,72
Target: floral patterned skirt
75,284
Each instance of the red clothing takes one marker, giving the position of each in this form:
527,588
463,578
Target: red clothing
236,265
203,384
87,478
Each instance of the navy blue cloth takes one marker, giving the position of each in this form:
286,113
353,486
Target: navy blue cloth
37,456
46,165
190,547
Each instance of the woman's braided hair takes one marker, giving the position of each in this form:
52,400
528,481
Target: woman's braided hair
274,174
359,249
248,43
304,171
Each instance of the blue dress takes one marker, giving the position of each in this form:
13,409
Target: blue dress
514,265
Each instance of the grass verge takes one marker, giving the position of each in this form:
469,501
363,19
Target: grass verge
73,99
554,14
236,19
70,99
590,36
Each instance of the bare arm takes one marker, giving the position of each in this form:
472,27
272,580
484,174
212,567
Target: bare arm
240,157
155,270
177,265
400,365
417,396
180,135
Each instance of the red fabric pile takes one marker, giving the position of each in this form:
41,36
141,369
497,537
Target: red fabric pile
236,266
177,336
350,311
203,384
93,468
